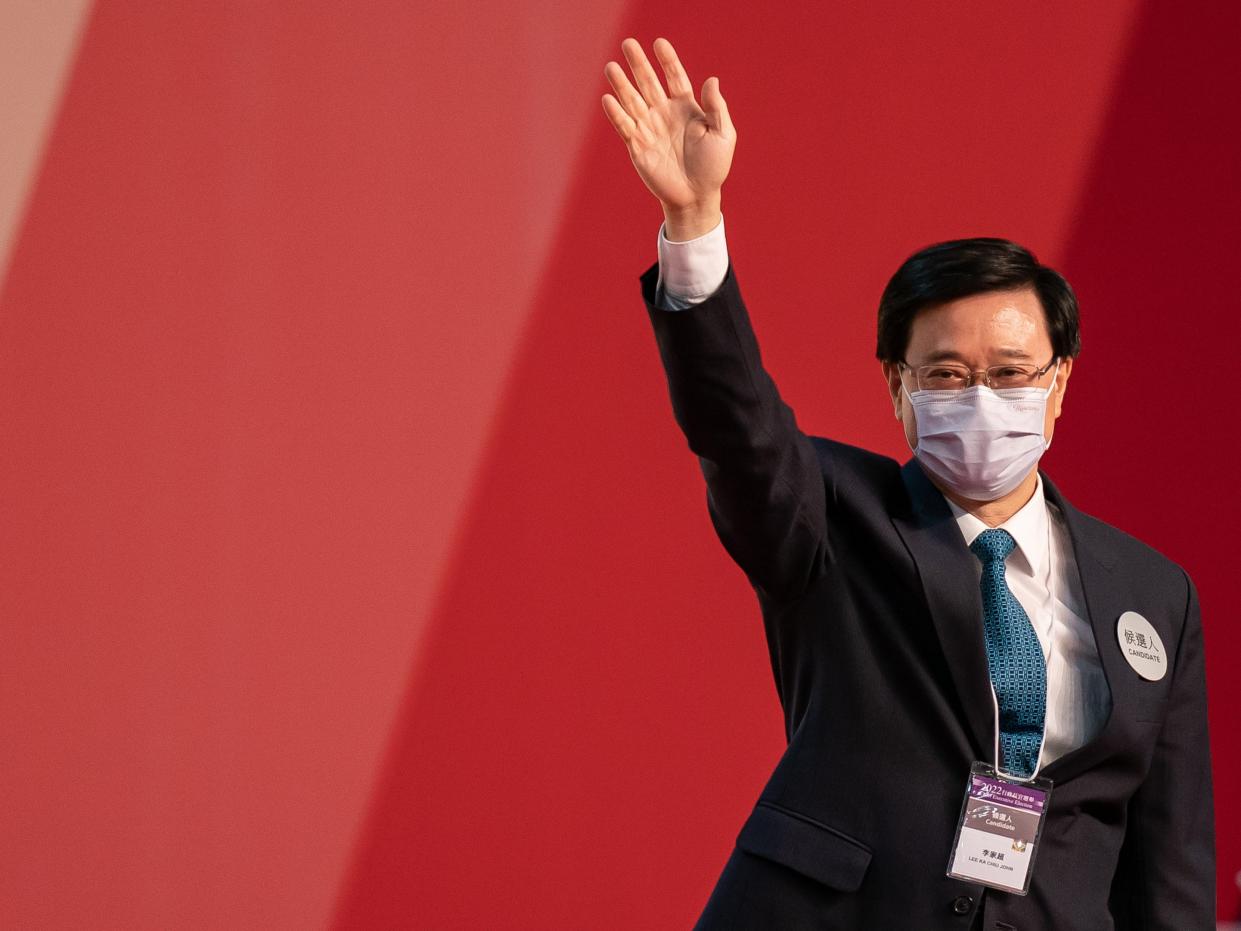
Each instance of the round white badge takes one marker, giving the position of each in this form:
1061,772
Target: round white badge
1141,646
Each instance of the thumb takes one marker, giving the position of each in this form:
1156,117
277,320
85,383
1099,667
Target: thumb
714,107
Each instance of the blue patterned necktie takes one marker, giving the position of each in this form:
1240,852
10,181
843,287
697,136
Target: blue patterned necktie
1014,656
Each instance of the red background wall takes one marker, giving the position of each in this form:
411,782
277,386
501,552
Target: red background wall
352,570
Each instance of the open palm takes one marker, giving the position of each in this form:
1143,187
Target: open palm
682,150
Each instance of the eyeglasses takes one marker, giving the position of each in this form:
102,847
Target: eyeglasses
951,376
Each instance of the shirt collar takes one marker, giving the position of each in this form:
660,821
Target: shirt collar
1028,527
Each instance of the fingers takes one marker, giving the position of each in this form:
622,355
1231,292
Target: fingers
621,121
714,107
643,73
629,98
630,106
678,80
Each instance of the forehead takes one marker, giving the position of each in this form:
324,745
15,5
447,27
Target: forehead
990,325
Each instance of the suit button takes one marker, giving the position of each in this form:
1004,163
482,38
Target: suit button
962,904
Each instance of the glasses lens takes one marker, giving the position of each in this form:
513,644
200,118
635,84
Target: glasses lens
1012,376
942,377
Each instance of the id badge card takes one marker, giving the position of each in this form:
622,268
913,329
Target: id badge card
999,830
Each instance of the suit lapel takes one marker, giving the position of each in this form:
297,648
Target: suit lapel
1106,599
950,584
949,581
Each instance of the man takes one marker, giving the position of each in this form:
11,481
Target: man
947,625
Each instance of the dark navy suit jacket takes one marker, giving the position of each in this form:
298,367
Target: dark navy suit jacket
873,620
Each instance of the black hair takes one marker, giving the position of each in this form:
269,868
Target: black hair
960,268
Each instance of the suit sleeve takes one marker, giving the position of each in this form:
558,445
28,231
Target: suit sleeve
1165,879
765,488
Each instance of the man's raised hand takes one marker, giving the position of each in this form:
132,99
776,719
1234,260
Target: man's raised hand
682,151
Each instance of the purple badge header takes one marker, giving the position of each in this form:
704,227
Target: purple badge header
1027,798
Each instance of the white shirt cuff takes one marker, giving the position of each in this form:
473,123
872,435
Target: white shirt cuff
691,271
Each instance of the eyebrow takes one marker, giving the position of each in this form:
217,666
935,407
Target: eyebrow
949,355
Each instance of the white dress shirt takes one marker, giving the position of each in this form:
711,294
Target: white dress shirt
1041,571
1046,583
690,271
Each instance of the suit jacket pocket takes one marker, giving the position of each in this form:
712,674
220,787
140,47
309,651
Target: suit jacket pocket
1150,709
805,845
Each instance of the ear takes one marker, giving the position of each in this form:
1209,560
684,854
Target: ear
1062,383
892,375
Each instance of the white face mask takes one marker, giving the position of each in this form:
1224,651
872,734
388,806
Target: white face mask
981,442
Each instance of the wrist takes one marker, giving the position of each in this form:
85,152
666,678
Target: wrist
692,220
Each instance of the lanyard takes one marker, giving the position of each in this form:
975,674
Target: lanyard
1051,579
